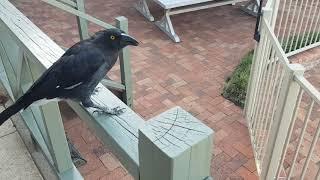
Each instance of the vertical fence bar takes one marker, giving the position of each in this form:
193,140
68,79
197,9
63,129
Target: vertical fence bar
250,83
82,23
306,25
280,127
305,124
125,68
307,42
318,33
301,23
267,98
260,92
274,104
290,26
312,40
275,72
267,14
313,144
296,25
56,136
262,99
253,77
273,18
281,18
290,131
251,90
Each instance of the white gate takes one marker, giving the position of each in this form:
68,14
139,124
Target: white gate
282,107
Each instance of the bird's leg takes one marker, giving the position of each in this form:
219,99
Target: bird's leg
102,109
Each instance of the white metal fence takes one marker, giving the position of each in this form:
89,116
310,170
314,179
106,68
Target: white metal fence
282,107
297,24
174,139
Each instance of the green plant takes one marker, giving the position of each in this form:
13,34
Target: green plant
236,85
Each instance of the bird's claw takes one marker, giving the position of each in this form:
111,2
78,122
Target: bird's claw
96,90
118,110
114,111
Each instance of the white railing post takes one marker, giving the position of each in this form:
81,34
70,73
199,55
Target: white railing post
267,14
256,63
280,127
174,146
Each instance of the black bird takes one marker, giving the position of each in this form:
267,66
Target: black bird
77,73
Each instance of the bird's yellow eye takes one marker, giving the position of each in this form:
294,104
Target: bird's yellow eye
112,37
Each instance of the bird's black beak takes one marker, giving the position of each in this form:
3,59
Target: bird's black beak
128,40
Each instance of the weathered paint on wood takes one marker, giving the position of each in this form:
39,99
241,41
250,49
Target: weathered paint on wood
113,85
29,118
120,133
173,146
56,136
28,36
125,68
28,53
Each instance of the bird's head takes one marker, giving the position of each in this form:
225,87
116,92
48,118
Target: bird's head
115,38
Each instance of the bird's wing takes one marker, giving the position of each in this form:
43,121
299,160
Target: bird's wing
75,67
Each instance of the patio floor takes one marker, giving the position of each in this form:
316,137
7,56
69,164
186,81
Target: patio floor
190,74
16,162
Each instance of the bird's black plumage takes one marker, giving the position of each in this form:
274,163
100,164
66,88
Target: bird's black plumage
76,74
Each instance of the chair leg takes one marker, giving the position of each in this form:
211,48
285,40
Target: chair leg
143,8
251,7
165,25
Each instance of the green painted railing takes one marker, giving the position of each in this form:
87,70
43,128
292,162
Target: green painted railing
171,146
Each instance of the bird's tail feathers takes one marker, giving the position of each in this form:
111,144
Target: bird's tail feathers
22,103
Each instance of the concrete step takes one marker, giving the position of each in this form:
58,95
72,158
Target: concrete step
15,160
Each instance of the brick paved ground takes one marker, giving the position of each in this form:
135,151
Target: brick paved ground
313,75
189,74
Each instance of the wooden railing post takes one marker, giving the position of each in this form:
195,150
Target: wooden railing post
283,117
125,68
82,23
56,136
174,146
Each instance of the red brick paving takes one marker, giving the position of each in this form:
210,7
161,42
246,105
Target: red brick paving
165,74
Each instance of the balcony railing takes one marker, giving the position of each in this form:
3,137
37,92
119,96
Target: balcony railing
281,104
